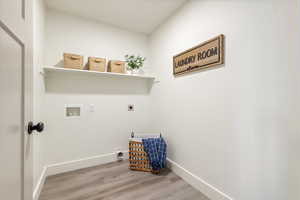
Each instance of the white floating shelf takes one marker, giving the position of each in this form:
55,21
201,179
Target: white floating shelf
50,69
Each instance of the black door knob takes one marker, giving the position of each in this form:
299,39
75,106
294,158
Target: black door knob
39,127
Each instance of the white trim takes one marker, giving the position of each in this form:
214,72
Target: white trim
40,184
207,189
49,69
81,163
71,166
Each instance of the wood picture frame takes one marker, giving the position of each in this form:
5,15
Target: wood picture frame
205,55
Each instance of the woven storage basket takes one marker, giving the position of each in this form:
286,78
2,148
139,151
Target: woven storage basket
73,61
97,64
138,158
116,66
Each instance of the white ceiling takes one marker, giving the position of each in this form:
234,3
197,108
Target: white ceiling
136,15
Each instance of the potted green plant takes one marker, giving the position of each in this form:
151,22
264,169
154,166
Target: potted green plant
134,63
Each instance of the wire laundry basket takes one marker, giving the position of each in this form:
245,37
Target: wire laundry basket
138,158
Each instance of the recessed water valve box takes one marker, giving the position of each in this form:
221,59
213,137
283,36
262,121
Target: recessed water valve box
73,111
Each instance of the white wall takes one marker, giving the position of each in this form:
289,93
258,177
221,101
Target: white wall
294,161
234,126
99,132
39,26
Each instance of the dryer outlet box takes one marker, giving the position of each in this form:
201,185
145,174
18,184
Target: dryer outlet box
130,107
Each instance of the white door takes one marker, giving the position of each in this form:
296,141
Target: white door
16,68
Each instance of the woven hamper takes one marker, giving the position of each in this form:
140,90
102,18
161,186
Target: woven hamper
138,158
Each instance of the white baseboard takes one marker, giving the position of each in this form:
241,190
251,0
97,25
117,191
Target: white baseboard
80,164
40,184
71,166
207,189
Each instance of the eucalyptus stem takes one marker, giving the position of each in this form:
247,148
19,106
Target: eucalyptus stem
134,62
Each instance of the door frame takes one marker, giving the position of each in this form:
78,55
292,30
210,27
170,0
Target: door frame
21,30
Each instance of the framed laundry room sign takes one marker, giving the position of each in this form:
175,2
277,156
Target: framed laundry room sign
205,55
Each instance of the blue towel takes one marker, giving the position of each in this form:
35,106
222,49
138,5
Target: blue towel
156,148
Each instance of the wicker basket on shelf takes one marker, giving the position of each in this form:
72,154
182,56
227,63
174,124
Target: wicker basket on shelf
138,158
73,61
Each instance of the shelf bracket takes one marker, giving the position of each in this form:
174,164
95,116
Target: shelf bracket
42,74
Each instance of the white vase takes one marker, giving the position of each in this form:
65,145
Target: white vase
135,71
141,71
129,71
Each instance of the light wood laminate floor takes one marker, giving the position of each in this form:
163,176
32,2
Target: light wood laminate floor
114,181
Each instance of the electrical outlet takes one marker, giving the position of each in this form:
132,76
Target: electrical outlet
130,107
120,155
